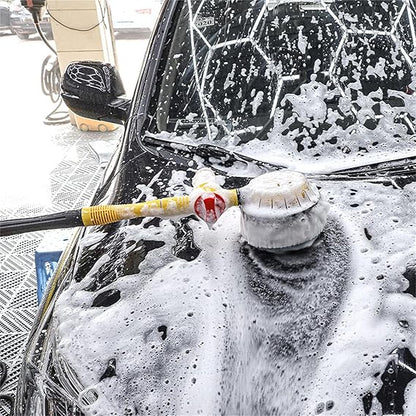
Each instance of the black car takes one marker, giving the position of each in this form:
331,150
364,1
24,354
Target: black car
157,316
4,17
21,22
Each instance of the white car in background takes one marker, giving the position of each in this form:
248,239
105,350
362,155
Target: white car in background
134,16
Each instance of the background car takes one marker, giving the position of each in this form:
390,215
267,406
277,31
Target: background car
134,17
21,22
4,16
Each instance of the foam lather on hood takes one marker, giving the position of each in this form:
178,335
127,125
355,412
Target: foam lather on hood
235,333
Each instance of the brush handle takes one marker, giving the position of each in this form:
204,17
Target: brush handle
98,215
163,208
66,219
208,204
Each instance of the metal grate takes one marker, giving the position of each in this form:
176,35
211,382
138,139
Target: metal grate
72,183
24,298
4,408
12,280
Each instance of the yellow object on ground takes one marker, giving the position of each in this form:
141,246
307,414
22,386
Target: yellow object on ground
87,124
82,30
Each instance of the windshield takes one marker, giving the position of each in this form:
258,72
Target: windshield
301,80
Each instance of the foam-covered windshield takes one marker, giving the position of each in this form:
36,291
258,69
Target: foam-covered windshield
310,79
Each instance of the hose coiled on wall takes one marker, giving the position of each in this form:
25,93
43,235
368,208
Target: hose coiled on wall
51,86
50,79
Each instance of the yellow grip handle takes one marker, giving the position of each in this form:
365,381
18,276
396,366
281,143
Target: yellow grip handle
166,207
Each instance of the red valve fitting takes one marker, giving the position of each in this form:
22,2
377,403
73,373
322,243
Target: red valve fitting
209,206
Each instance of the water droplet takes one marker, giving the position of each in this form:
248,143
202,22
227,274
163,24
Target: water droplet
163,329
320,408
330,405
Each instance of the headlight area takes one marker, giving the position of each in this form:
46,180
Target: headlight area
47,385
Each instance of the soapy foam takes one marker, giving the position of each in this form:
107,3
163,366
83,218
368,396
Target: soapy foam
234,344
238,332
336,145
222,353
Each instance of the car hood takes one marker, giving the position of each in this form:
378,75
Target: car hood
233,330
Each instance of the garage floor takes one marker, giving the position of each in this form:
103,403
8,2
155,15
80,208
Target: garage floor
72,180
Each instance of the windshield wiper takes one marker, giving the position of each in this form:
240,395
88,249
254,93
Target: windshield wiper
374,172
208,152
386,169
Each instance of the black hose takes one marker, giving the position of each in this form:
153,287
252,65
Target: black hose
51,86
56,117
51,79
35,15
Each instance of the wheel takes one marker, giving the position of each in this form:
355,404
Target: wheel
23,36
84,127
102,128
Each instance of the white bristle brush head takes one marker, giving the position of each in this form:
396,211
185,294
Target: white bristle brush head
282,210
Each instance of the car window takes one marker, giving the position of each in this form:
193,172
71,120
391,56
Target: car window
305,79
